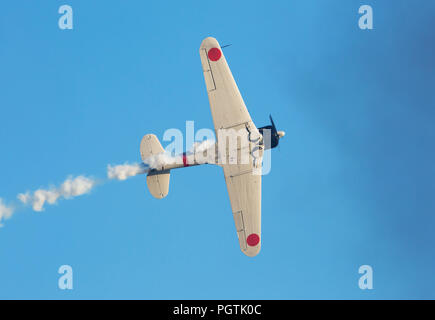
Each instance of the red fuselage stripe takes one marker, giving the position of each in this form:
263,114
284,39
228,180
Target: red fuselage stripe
185,160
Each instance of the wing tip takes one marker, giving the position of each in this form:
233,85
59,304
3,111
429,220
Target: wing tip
210,42
252,251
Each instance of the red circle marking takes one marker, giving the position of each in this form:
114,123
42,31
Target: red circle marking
253,239
214,54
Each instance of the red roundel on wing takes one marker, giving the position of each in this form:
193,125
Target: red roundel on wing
253,239
214,54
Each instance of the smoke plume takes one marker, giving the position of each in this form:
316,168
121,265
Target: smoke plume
70,188
125,171
80,185
159,160
203,146
5,212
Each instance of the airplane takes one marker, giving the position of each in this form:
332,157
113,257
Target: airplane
243,178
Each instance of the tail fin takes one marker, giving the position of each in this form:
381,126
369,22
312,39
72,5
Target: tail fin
157,181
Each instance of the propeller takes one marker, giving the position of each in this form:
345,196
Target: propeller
274,131
278,134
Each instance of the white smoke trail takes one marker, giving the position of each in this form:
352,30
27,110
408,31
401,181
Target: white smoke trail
158,161
207,147
203,146
125,171
70,188
5,212
73,187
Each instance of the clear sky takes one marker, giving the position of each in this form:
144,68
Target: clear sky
352,182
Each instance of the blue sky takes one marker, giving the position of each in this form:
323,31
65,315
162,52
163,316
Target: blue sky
351,184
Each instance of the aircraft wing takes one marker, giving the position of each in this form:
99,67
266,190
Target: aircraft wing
229,112
244,189
226,103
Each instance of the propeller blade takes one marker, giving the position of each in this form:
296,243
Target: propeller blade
273,125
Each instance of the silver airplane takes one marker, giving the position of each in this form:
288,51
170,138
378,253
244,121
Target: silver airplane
243,178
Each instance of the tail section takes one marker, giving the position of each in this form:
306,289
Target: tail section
157,181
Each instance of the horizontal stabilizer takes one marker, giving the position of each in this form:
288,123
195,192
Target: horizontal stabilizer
157,181
150,146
